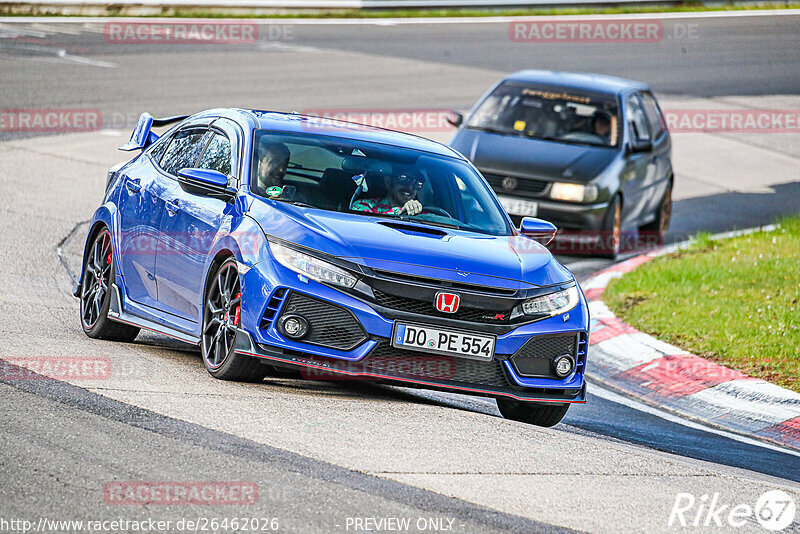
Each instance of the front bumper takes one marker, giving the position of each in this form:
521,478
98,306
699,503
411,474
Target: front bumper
572,216
357,344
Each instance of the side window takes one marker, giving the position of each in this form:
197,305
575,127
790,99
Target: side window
184,149
157,152
217,155
654,115
636,120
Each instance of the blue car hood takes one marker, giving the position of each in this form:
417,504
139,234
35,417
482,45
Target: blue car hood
513,262
522,156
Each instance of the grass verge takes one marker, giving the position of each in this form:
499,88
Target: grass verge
734,301
113,10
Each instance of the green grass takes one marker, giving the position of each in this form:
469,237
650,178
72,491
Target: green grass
226,12
734,301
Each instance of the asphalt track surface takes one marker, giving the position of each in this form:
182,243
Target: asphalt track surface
62,442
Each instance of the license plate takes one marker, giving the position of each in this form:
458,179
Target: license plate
516,206
443,341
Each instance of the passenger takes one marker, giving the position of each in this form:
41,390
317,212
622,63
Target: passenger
401,192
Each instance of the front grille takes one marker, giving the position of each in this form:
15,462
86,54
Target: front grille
426,307
446,284
525,186
329,325
421,366
535,356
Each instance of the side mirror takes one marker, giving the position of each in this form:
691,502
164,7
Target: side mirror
640,145
206,182
538,229
456,119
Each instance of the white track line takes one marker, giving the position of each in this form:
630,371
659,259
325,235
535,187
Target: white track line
607,394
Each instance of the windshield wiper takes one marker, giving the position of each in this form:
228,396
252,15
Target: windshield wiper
294,202
489,129
425,221
567,141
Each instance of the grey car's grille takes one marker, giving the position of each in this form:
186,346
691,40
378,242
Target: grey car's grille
524,186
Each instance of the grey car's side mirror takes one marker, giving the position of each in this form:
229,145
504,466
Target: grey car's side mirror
456,120
640,145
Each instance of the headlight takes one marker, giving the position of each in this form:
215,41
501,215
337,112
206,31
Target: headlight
312,267
552,303
573,192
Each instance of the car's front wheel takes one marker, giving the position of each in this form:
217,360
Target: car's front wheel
663,216
221,316
611,234
96,287
532,413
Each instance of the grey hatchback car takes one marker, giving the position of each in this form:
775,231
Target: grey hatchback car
590,153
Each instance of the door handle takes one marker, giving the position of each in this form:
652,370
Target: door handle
173,207
133,185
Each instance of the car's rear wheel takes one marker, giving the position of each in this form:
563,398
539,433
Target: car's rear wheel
221,316
612,229
532,413
661,223
98,275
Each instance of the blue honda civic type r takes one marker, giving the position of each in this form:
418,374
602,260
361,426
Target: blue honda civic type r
278,242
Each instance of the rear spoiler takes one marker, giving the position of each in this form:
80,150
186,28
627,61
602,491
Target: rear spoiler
142,137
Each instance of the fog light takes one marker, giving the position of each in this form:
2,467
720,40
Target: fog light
294,326
563,365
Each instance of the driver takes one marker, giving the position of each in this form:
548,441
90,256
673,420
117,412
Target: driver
602,126
273,160
401,192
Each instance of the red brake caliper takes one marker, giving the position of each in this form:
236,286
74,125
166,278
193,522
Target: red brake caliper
108,262
238,311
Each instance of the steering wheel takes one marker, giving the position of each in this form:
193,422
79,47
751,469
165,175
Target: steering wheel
435,211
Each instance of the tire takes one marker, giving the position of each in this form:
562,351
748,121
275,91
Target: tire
221,311
663,216
612,227
532,413
95,295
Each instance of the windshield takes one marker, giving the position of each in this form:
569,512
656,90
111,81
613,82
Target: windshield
549,113
372,179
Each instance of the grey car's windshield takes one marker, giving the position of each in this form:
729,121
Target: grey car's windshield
365,178
550,113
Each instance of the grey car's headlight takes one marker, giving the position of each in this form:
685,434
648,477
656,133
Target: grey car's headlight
573,192
552,303
314,268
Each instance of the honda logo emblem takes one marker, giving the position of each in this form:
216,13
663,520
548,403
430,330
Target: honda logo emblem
447,302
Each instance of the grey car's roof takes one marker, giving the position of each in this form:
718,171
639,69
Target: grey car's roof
577,80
